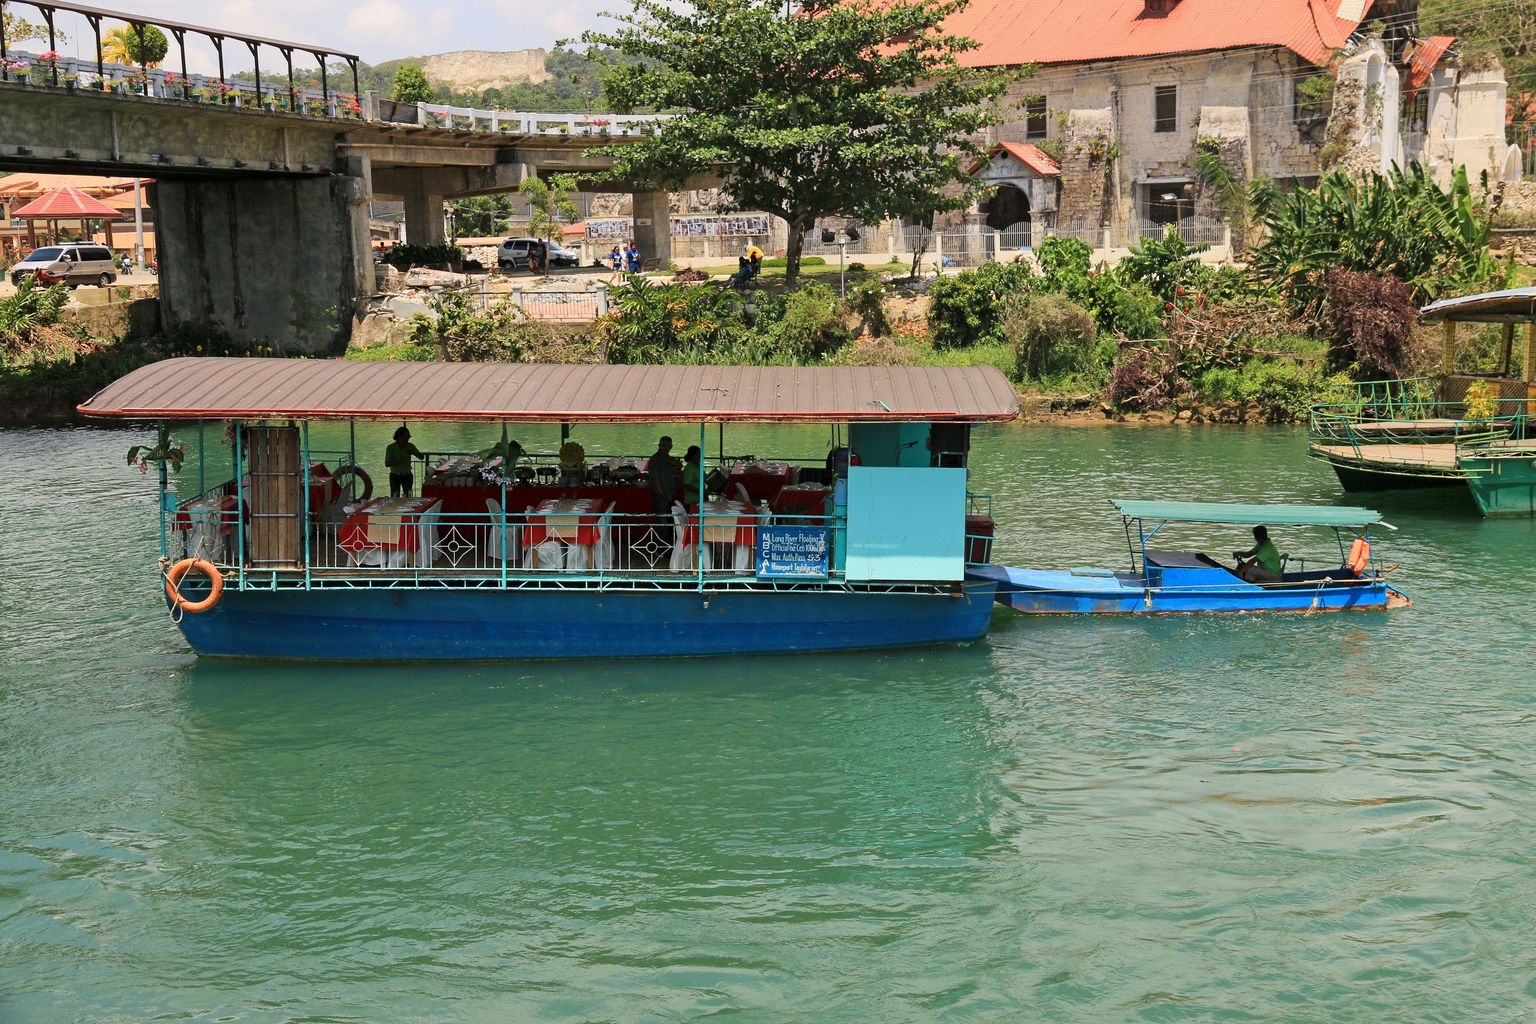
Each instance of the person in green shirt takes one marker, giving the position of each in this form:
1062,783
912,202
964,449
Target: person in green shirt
692,479
397,458
1260,563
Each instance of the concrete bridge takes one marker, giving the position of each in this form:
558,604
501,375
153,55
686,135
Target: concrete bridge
261,192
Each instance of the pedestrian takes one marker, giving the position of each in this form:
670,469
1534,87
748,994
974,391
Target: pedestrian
632,258
616,261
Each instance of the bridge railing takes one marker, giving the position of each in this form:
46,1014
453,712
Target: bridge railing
438,115
51,68
161,83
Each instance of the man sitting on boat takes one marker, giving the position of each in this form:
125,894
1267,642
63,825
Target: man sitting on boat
1260,563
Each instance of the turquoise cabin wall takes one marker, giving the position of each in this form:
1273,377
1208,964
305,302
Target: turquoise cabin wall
906,524
881,444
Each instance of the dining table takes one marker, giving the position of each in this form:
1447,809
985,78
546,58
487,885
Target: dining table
563,533
805,504
390,532
761,480
725,521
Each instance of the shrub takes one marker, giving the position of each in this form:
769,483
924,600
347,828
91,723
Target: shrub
1143,378
867,300
1284,391
966,308
1052,336
1129,311
812,324
29,317
1370,321
1167,266
404,256
653,323
469,335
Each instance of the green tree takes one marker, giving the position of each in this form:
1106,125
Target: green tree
411,85
859,108
479,216
18,30
549,204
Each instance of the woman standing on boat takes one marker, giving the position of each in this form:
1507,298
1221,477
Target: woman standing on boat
397,458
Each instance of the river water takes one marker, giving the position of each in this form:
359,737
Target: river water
1324,818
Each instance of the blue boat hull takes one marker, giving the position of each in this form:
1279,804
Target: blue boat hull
1034,592
494,625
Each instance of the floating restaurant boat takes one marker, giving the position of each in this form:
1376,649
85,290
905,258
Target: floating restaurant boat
1458,430
285,554
1179,580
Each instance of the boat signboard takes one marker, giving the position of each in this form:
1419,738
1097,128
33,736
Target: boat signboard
792,552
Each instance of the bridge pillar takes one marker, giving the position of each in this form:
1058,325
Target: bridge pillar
263,261
424,215
653,226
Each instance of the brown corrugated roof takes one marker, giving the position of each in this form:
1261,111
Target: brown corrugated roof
232,388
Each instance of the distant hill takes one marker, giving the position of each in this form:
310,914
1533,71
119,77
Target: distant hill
473,71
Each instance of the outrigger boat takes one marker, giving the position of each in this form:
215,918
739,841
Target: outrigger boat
269,550
1476,432
1169,580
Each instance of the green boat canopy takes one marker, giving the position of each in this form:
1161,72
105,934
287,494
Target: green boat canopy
1338,516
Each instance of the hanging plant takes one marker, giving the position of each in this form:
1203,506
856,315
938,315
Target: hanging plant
142,455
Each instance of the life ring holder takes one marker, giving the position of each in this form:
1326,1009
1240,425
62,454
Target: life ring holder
177,572
351,471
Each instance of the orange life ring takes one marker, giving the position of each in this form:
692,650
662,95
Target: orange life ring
1359,556
173,580
358,472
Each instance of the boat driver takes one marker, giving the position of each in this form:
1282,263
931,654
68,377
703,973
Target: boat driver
1260,563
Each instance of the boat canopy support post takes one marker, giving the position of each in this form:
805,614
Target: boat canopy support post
1528,369
164,437
239,505
202,459
304,519
698,539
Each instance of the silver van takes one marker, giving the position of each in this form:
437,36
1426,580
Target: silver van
74,264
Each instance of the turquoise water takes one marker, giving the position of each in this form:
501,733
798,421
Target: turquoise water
1228,818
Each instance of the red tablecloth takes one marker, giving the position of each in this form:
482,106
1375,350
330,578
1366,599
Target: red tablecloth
725,522
573,520
762,481
794,501
626,499
384,524
322,489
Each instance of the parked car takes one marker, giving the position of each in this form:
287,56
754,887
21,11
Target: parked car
513,254
73,265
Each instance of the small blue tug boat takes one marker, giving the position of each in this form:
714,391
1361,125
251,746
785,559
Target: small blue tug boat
1170,580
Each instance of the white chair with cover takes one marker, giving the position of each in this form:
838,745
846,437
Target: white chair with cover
602,557
685,556
742,494
502,536
548,554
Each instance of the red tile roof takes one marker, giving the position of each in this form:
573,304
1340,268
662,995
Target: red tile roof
1027,153
65,203
1427,54
1070,31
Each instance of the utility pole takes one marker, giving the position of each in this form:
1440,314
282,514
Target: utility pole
138,221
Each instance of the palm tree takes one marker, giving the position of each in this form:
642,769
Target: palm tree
114,47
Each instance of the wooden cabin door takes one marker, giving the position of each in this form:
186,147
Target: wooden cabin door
277,508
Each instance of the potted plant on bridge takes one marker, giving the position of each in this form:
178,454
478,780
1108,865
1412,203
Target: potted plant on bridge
19,71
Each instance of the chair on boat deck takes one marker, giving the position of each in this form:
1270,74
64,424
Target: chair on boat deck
603,554
742,494
685,556
548,554
502,536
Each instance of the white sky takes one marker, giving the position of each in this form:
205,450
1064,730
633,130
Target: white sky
376,30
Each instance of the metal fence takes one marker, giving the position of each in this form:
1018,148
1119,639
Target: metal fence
1194,230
